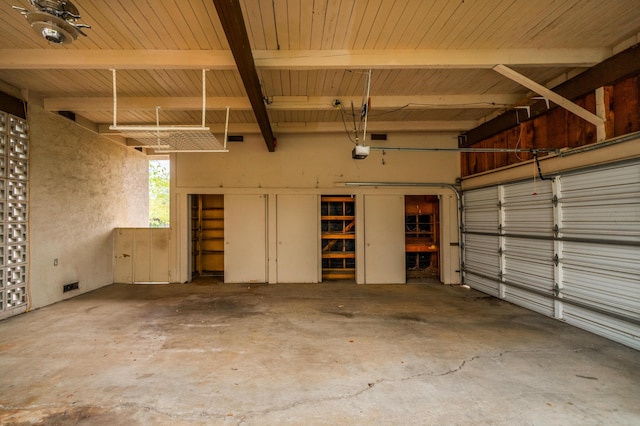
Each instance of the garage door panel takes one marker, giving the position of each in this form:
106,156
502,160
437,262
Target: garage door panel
481,218
528,208
529,300
602,204
482,284
614,287
481,213
529,263
618,330
482,255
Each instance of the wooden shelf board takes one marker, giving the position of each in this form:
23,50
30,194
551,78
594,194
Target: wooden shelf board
337,217
338,236
339,255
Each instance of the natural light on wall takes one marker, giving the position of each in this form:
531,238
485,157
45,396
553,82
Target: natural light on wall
159,193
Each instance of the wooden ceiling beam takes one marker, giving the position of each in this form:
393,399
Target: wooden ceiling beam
335,127
298,59
284,103
230,15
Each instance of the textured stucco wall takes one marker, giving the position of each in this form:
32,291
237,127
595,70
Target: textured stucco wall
318,161
82,186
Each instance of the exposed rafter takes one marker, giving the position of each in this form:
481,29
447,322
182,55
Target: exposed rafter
290,103
550,94
230,15
622,64
298,59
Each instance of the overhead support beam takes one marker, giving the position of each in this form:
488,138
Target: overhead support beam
298,59
284,103
615,68
334,127
232,21
550,94
426,58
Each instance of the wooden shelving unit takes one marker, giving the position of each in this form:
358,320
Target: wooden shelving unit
208,234
422,246
338,237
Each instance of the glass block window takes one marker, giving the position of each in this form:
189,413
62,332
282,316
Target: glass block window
14,238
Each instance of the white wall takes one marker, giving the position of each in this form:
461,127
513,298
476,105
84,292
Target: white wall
82,186
309,164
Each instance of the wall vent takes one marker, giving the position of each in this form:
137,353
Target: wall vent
235,138
70,286
378,136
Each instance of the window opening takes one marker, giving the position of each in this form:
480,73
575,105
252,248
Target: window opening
159,173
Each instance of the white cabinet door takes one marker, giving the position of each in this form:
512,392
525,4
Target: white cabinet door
384,239
141,255
123,247
298,245
245,239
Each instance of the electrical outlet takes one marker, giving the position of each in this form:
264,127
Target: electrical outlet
55,262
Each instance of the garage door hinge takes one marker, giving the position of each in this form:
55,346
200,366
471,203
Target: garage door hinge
556,259
500,251
556,230
499,204
555,201
556,289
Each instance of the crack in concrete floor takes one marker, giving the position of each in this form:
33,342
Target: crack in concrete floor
240,419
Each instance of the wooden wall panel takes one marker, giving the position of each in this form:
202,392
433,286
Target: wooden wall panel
626,110
559,128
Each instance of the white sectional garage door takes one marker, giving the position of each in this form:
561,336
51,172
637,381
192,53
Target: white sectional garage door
481,242
567,247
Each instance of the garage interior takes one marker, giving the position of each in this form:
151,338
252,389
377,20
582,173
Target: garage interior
381,212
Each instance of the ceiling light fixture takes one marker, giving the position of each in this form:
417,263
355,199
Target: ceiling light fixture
55,20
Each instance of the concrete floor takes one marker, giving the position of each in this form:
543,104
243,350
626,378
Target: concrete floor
210,353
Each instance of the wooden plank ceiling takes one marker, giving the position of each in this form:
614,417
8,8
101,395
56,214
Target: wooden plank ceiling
431,61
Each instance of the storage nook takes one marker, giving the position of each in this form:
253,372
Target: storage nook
207,231
337,216
421,236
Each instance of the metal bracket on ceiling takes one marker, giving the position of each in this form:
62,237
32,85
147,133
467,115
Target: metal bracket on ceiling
546,100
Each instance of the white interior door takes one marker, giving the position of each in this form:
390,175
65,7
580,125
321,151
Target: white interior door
298,245
384,239
245,239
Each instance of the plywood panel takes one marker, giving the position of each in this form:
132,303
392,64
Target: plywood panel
297,228
245,239
384,239
626,112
